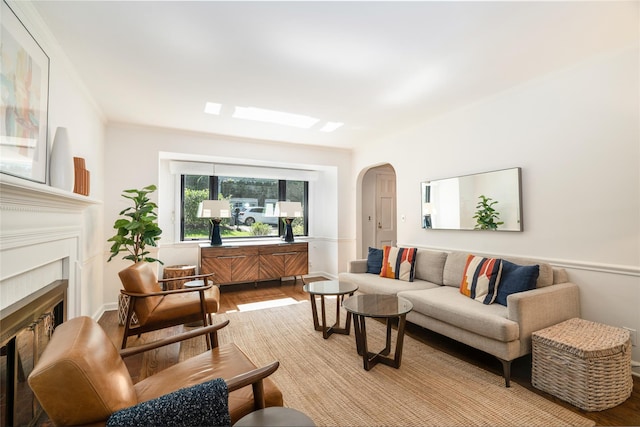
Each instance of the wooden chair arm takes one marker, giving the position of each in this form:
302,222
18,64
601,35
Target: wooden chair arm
161,293
253,377
172,339
188,278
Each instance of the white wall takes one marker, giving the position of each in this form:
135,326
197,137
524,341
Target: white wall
575,134
136,157
70,106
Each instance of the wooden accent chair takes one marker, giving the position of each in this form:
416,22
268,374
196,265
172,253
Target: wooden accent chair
81,377
158,309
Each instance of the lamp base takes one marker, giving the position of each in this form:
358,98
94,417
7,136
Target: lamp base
288,233
216,239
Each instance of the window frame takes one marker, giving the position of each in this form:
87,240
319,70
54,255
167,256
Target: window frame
213,195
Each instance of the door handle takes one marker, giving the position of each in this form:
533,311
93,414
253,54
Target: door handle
379,225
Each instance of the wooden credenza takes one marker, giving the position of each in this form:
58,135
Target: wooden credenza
255,262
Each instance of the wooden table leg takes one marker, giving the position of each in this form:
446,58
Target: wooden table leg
335,329
325,330
401,324
369,359
314,312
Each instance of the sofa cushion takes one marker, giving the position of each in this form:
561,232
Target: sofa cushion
429,265
545,274
374,260
372,284
398,263
516,278
481,278
454,268
448,305
455,263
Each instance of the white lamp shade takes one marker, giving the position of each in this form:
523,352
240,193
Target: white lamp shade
288,210
214,209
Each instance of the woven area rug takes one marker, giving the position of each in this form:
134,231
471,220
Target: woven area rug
325,378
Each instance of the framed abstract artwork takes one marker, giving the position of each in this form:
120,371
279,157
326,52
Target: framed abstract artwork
24,103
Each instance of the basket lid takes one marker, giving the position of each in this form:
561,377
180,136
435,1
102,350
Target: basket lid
584,338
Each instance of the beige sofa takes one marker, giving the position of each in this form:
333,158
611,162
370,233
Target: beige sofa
438,305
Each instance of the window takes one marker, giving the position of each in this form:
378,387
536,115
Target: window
252,202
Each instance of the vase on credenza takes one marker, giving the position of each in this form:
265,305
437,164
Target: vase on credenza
61,174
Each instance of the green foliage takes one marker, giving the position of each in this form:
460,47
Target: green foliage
138,229
260,229
298,226
194,226
486,216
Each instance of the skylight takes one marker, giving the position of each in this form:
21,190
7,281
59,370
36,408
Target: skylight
331,126
212,108
273,116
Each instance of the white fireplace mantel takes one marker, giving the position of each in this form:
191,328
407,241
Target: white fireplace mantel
16,193
41,239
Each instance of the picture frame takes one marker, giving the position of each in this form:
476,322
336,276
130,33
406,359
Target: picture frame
24,105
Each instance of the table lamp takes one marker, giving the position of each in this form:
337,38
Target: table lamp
215,210
288,211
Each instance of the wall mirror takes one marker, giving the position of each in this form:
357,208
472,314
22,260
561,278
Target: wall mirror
452,203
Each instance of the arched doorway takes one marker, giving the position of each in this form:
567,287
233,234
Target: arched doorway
378,225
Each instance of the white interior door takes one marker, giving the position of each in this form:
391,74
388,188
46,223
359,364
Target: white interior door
385,209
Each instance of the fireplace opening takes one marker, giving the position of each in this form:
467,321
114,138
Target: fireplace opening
26,329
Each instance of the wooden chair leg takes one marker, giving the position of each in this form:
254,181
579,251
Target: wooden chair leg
127,322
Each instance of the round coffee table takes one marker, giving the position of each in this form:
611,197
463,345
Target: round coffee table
275,416
388,307
329,287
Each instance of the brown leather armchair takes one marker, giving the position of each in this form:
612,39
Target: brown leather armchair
157,309
81,377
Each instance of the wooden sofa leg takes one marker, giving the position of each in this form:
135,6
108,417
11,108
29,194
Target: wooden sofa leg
506,371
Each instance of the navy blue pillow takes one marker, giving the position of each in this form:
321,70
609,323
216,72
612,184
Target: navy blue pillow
516,278
205,404
374,260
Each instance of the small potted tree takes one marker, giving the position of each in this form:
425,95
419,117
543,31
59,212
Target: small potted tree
486,216
137,230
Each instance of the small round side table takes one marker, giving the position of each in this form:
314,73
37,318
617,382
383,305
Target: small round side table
275,416
324,288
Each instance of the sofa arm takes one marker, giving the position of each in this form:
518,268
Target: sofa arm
358,266
543,307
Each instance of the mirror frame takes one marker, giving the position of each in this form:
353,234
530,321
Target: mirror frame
458,213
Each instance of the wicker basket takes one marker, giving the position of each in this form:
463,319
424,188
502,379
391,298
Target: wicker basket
584,363
174,271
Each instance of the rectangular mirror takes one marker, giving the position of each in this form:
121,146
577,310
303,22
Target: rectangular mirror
483,201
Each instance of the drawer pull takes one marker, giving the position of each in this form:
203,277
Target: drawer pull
284,253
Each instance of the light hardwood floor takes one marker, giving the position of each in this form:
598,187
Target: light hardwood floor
626,414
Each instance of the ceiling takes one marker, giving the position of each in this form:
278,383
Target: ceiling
377,67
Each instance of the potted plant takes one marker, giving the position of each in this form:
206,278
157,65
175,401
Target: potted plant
486,216
136,230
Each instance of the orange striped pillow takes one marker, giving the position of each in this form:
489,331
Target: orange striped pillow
398,263
481,278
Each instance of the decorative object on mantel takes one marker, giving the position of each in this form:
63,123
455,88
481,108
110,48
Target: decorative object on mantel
61,162
288,211
25,101
135,232
82,177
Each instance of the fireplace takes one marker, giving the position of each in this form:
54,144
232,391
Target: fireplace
26,329
44,234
